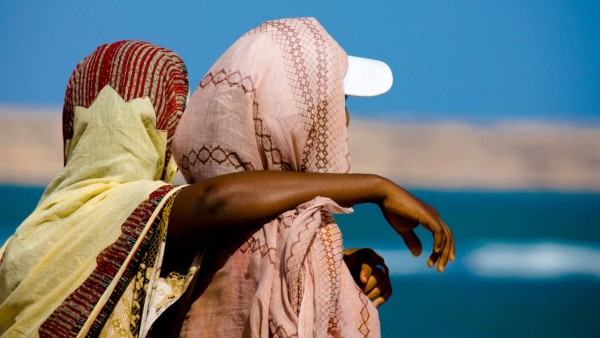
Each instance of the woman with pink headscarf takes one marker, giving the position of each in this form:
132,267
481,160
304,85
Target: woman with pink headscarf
275,101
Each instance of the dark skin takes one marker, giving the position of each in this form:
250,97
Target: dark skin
370,274
245,201
365,266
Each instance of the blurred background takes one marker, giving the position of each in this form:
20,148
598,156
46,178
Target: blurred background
494,119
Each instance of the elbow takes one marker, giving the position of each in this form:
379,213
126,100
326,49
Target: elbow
211,204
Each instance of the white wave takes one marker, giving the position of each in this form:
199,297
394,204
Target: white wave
533,260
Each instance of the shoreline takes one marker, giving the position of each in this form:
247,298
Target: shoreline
504,156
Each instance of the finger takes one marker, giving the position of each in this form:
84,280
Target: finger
379,278
375,292
438,244
413,242
446,249
448,245
438,241
365,273
433,258
380,289
372,283
452,256
445,255
383,298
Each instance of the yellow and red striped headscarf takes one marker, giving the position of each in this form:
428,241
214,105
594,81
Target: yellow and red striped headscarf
100,222
133,69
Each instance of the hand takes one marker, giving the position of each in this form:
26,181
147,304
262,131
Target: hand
370,274
405,212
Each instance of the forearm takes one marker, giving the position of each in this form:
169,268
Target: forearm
238,202
232,202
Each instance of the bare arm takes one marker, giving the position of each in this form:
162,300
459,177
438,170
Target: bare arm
235,202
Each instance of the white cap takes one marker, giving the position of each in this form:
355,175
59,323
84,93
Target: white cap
367,77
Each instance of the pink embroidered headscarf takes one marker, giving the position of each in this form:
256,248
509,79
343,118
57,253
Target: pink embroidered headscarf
275,101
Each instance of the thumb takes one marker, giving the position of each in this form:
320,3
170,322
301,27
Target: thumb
412,242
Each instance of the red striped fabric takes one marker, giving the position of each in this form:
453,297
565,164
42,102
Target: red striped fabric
69,318
134,69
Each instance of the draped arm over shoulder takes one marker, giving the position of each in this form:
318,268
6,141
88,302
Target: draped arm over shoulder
229,202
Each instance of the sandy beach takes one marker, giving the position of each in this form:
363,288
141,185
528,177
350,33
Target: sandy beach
446,155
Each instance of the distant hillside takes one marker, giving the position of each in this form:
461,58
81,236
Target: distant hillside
438,156
524,155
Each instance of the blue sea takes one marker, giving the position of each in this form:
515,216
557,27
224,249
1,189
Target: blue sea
528,263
